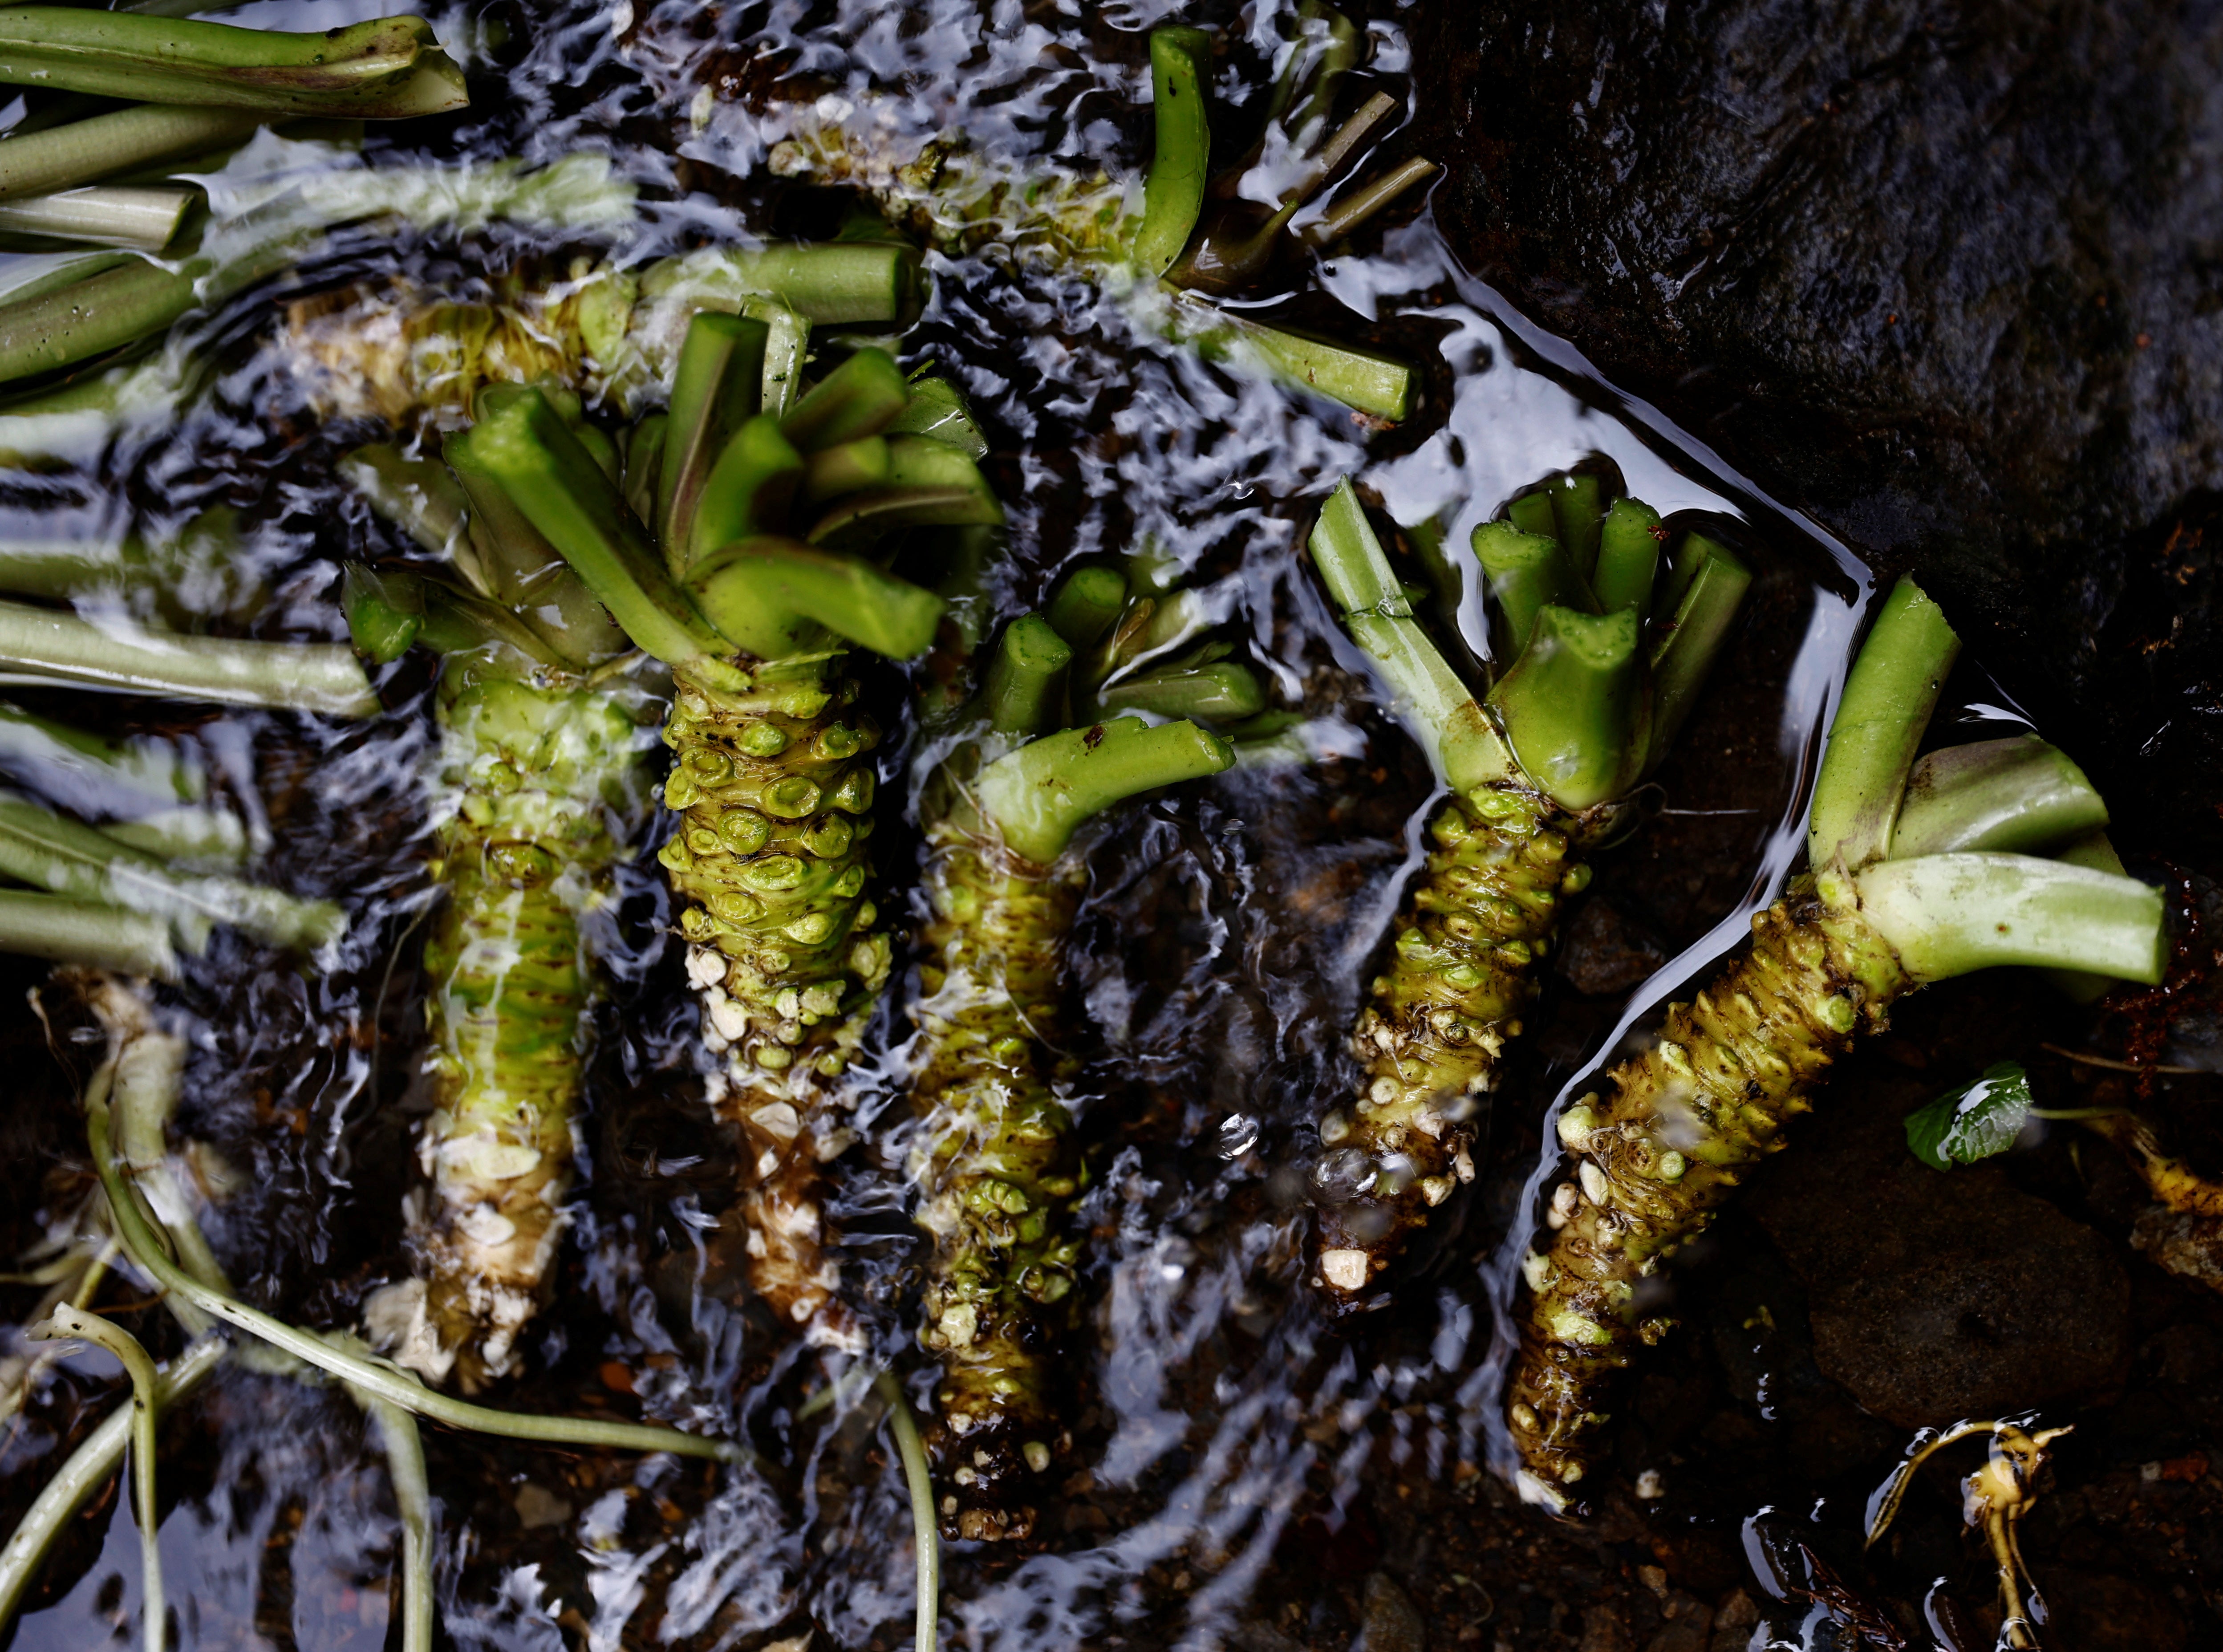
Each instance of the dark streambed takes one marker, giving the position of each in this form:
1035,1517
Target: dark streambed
1257,1480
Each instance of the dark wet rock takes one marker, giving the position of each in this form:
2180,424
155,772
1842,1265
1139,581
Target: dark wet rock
1605,1629
1948,276
1389,1621
1734,1619
1936,1296
1605,951
1688,1625
2100,1612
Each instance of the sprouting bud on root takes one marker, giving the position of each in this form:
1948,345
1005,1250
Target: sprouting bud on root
1436,1023
1001,1172
774,787
1670,1138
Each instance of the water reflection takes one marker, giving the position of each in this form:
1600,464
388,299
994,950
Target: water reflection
1218,956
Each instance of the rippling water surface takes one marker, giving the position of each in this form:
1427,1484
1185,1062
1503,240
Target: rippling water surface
1232,1438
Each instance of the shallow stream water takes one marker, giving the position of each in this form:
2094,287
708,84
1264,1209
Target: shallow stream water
1240,1450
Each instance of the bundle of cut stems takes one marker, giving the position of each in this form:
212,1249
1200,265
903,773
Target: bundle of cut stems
195,89
997,1161
129,895
1611,639
1903,891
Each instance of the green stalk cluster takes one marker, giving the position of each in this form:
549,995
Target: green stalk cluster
1682,1124
1537,770
997,1165
543,787
194,91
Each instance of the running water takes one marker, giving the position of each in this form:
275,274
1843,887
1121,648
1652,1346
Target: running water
1220,950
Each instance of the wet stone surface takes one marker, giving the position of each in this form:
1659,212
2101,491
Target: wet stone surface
1945,275
1935,1295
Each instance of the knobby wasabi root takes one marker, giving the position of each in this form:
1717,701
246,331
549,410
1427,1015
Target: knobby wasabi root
541,772
1680,1127
774,788
1539,773
1711,1095
394,350
1000,1172
1436,1021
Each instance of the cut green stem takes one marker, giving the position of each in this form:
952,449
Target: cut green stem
2018,796
1172,193
1085,605
1529,572
1352,212
1221,692
848,468
421,496
301,676
91,933
85,1471
1040,795
937,410
83,152
141,1243
1703,615
2094,853
859,398
1947,915
1441,712
523,444
1573,705
834,284
146,1403
767,594
387,69
749,490
135,219
920,1482
1374,384
1579,517
1026,678
1532,513
1627,558
718,389
1889,696
39,847
119,306
413,1497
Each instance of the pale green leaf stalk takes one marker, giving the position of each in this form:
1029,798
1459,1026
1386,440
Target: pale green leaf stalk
1677,1128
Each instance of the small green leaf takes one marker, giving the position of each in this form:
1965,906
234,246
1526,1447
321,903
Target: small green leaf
1976,1121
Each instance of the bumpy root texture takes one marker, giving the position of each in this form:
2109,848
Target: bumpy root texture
1436,1023
394,352
528,850
1684,1122
1000,1171
774,786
